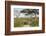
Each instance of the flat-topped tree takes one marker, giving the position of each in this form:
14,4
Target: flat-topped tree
28,12
31,12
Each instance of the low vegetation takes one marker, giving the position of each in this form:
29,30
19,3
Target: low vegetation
29,22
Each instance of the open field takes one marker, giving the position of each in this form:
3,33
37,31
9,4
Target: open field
26,22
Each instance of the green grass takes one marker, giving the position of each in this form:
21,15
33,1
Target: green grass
20,22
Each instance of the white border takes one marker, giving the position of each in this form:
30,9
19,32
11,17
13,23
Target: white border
25,28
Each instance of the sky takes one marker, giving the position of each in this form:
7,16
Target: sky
17,12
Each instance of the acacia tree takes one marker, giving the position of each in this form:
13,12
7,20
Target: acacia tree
31,11
28,12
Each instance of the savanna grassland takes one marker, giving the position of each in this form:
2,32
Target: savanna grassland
26,22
